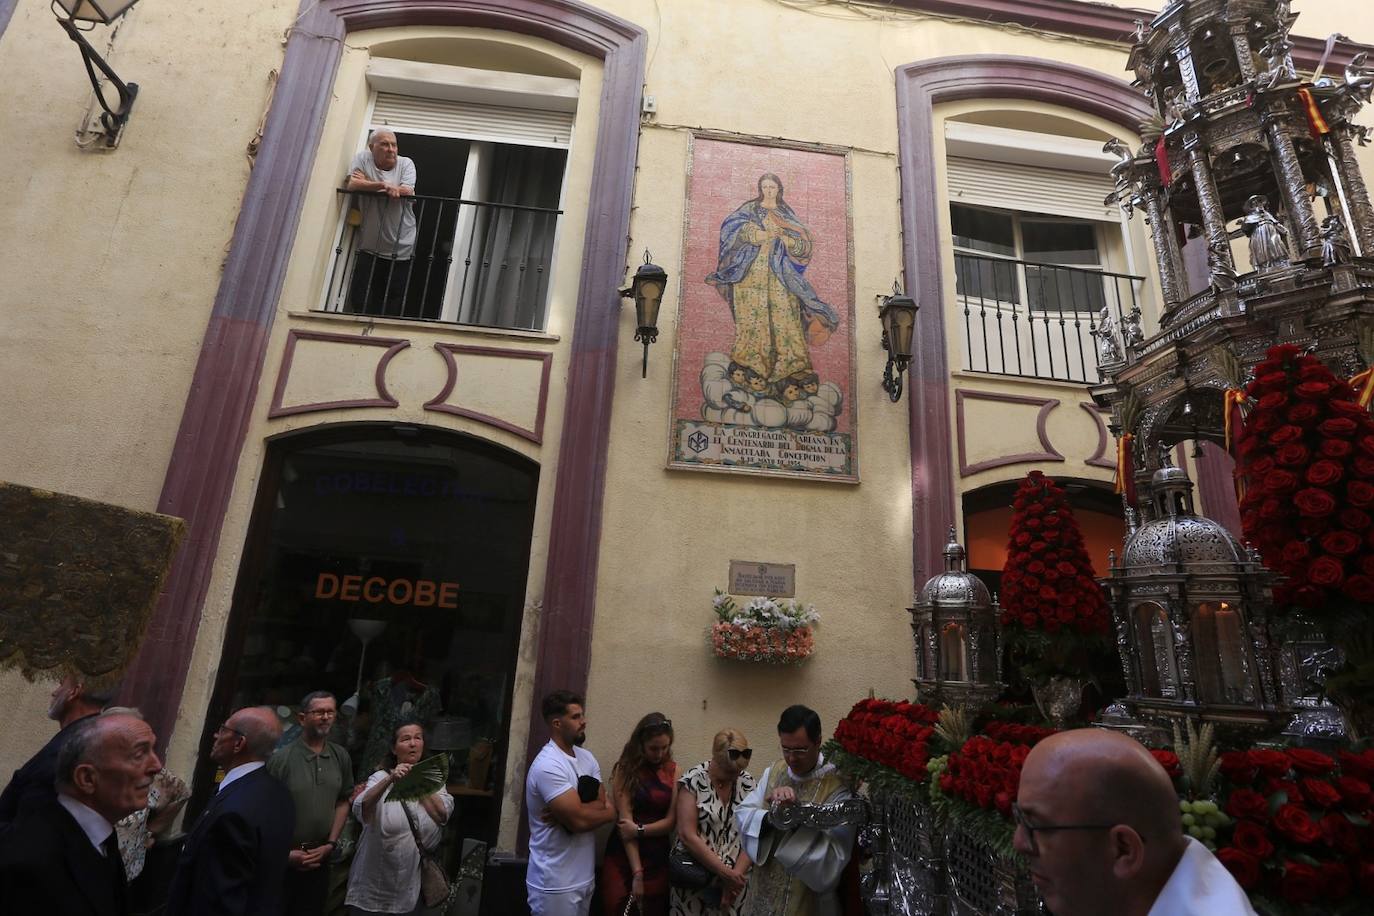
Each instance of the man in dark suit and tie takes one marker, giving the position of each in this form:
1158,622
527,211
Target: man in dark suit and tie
62,855
234,859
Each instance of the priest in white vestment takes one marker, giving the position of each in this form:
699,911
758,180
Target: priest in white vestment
797,871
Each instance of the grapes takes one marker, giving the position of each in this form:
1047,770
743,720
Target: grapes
1189,821
1186,807
1196,833
1209,833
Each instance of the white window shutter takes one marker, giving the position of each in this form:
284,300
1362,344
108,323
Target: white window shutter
473,121
1030,189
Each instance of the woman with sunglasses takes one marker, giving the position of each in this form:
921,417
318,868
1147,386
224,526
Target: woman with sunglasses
644,781
706,826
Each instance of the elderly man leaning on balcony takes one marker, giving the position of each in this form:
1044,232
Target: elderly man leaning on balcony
386,238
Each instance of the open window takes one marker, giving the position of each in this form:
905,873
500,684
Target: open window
490,151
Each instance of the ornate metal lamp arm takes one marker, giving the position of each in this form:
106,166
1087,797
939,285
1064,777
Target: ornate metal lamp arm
113,119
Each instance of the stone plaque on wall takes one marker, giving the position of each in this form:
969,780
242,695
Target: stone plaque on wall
764,371
772,580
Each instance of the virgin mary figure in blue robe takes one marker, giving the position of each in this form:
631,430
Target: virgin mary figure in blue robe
761,275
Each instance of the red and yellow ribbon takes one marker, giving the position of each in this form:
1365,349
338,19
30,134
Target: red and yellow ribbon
1233,413
1364,386
1125,469
1233,409
1316,121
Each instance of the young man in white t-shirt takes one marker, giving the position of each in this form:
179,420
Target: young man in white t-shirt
562,869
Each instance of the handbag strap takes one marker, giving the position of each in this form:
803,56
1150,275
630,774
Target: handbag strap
414,830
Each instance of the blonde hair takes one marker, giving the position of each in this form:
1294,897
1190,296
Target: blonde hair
727,738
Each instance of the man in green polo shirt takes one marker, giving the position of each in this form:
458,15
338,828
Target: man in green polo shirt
319,775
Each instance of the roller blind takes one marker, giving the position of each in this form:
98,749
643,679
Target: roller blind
1028,188
473,121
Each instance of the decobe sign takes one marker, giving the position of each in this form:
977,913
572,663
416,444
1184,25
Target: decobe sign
377,590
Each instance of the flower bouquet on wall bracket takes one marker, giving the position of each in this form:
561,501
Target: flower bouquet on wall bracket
1053,610
777,631
1306,459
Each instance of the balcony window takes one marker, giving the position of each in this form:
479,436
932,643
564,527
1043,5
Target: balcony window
490,162
1033,290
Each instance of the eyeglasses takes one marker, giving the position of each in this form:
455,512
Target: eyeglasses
737,752
1019,817
322,713
233,731
795,751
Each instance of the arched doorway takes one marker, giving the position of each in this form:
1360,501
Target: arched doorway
386,564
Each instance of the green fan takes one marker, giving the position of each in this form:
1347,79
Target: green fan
425,778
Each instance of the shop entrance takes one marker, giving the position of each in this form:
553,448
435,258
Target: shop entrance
387,565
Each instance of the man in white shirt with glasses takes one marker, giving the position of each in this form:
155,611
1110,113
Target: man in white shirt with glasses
1098,821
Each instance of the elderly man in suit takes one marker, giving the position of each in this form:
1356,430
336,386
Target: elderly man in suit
234,859
62,855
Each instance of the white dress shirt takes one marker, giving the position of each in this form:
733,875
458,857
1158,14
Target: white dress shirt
238,772
1201,886
96,828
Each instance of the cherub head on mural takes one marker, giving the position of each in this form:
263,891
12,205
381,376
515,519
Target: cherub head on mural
761,274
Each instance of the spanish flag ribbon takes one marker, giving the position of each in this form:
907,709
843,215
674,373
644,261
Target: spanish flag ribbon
1233,409
1316,121
1233,412
1364,385
1125,469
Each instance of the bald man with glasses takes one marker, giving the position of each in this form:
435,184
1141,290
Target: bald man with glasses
1097,819
234,859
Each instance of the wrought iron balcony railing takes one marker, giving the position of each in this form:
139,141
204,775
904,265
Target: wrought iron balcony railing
1040,320
470,262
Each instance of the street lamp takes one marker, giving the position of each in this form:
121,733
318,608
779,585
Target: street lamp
898,315
647,288
104,12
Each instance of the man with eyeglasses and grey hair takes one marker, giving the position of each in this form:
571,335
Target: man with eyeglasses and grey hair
234,859
1098,822
797,869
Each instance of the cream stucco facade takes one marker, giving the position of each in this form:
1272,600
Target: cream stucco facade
112,260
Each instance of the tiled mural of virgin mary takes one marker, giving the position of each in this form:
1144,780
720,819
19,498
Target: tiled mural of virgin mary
764,336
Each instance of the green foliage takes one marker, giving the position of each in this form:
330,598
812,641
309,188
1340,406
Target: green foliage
981,825
425,778
880,780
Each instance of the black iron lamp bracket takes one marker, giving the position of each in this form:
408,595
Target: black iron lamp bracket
113,118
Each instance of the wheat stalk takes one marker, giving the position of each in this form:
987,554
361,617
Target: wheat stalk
954,726
1197,754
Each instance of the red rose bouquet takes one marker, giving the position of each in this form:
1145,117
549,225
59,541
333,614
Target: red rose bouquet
1052,607
893,734
1307,459
1300,838
1306,455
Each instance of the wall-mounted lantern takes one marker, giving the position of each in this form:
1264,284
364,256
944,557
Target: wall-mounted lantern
646,289
104,12
898,315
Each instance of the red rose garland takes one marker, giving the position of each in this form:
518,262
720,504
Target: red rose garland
1048,583
895,735
1307,456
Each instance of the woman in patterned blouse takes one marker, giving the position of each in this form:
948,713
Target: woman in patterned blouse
706,803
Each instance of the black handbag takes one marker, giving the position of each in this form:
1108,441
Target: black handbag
686,872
